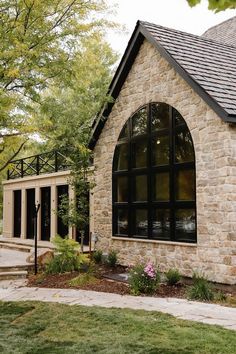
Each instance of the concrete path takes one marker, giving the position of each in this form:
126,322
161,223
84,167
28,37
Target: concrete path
180,308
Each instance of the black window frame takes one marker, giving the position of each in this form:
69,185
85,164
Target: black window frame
151,205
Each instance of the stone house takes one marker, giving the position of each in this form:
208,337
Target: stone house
165,153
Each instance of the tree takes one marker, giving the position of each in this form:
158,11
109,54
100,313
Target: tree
39,41
216,5
66,112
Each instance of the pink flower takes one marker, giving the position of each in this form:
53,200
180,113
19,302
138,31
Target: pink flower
150,270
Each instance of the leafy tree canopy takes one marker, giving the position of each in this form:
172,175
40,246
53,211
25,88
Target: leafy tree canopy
216,5
40,42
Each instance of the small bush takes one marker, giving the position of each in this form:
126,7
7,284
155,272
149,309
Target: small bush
143,278
201,289
112,258
83,279
97,256
173,276
67,256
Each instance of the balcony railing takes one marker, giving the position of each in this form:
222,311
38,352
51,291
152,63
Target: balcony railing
48,162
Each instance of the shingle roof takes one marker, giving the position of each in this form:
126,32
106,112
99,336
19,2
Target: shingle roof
208,66
211,64
224,32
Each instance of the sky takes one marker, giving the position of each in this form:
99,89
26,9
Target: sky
175,14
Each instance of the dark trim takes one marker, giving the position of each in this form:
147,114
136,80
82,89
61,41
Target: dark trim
129,205
140,33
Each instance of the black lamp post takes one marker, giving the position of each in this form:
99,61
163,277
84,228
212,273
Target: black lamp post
37,206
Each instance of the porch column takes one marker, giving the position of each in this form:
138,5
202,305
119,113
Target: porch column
71,194
23,213
8,212
38,201
53,211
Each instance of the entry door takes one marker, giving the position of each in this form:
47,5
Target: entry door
62,229
17,213
45,213
30,205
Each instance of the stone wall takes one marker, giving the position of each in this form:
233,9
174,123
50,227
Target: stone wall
152,79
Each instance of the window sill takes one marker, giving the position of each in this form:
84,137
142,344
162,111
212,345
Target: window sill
162,242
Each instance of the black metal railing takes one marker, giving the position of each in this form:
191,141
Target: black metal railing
48,162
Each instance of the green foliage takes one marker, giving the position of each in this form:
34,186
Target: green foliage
45,57
97,256
216,5
173,276
67,256
143,279
201,289
112,258
83,279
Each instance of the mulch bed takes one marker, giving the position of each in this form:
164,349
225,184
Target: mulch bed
105,283
61,281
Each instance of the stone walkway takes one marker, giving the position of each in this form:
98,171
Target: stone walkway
180,308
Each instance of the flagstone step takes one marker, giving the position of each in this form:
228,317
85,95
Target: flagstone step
15,246
15,268
13,275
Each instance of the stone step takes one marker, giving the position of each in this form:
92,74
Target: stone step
15,268
15,246
13,275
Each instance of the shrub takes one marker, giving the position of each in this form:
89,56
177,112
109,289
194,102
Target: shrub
201,289
143,278
173,276
67,257
97,256
83,279
112,258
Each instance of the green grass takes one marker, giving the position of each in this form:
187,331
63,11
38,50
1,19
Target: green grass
39,328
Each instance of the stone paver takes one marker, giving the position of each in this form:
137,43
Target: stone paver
12,258
180,308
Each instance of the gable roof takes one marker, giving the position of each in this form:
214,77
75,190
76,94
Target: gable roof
224,32
209,68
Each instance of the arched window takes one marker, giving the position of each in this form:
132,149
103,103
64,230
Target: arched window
154,177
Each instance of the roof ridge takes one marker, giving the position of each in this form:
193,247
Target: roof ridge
229,19
190,34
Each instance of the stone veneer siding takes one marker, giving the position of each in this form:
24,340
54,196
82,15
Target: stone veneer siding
152,79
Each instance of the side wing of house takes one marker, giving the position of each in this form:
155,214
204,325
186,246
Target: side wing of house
202,226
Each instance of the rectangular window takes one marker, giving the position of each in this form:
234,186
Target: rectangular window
17,213
161,186
45,213
30,211
140,222
185,225
62,228
161,224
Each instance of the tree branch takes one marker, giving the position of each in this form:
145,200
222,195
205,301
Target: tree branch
13,156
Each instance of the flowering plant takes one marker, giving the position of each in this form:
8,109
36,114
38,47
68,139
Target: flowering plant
143,278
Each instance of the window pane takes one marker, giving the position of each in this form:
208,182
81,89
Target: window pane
122,189
161,224
161,186
178,118
185,224
160,116
124,132
139,122
121,157
184,151
139,154
141,222
122,221
184,186
140,188
160,150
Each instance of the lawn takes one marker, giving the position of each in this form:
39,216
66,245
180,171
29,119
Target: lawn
30,327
